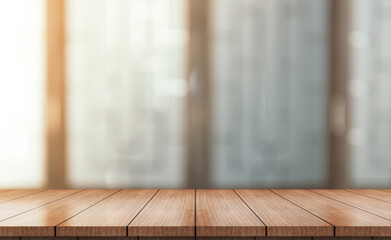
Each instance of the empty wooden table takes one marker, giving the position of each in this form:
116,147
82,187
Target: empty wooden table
188,214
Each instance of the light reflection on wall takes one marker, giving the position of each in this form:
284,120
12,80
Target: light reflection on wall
126,92
21,93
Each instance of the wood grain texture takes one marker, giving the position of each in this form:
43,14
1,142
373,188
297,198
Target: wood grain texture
342,238
226,238
284,238
371,205
348,221
41,221
48,238
107,238
282,217
20,205
7,195
169,213
109,217
223,213
373,193
166,238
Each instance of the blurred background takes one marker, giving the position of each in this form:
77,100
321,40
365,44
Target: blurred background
195,93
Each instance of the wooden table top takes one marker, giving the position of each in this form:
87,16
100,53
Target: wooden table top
190,213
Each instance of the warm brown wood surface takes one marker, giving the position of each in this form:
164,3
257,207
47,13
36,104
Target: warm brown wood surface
98,238
20,205
169,213
378,207
373,193
42,221
282,217
296,238
7,195
223,213
190,214
110,217
345,238
348,221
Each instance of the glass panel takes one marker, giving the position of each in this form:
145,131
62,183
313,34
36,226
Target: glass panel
126,92
369,90
269,92
22,93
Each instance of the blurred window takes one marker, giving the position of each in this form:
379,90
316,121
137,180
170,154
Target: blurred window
126,92
369,88
22,75
269,61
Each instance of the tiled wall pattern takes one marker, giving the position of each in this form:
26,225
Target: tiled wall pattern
126,92
22,75
369,90
269,92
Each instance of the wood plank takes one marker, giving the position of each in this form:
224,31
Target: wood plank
48,238
42,221
9,238
169,213
223,213
371,205
107,238
373,193
226,238
290,238
342,238
166,238
348,221
282,217
8,195
109,217
20,205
